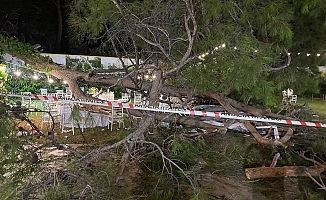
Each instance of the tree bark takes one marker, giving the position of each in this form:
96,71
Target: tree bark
143,125
286,171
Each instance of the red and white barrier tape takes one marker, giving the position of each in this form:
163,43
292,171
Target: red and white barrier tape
176,111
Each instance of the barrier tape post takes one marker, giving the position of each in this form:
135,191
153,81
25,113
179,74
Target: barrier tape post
176,111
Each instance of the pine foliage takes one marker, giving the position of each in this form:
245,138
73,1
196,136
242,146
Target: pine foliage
255,34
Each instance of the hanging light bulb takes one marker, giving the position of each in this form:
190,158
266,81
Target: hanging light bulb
64,82
18,73
35,76
51,80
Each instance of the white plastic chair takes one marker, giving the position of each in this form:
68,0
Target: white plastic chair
125,98
27,100
138,99
111,96
293,99
285,96
289,92
60,94
116,115
44,92
49,107
68,95
65,118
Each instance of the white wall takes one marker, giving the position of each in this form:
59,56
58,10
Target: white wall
61,59
105,61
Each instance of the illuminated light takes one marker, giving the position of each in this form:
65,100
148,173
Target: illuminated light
206,53
203,55
64,82
138,77
289,54
51,80
235,48
154,76
35,77
18,73
318,54
223,45
146,76
308,54
216,48
298,53
256,50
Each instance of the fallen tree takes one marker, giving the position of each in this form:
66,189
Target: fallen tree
188,54
285,171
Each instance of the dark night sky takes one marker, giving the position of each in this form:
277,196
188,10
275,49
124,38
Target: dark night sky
35,22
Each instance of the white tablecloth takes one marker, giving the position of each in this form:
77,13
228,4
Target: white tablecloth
107,96
94,119
89,119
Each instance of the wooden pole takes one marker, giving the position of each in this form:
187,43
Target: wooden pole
286,171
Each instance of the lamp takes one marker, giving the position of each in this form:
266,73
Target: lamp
18,73
35,76
51,80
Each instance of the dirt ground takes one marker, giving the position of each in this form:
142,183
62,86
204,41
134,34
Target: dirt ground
217,185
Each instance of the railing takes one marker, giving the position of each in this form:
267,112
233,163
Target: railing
318,98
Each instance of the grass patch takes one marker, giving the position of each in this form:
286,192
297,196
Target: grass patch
318,106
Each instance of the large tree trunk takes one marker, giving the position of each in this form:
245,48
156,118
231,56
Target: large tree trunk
230,105
286,171
225,102
143,125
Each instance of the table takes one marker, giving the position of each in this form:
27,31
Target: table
91,120
85,119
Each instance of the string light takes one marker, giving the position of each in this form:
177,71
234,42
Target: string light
35,77
202,56
18,73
